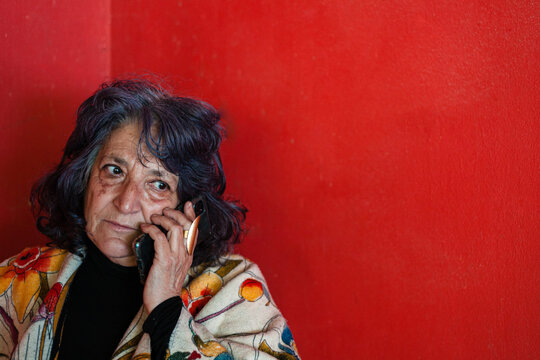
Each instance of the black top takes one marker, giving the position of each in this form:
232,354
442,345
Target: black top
160,325
103,299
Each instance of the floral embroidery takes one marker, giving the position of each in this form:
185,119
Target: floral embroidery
287,345
210,348
200,290
143,356
224,356
250,290
204,286
183,355
46,311
22,275
10,325
35,268
194,355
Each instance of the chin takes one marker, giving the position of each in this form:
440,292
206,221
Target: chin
124,258
130,260
117,250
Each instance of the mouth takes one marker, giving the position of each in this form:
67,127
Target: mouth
121,227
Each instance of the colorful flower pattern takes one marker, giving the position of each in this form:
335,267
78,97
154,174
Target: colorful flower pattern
46,311
25,278
287,345
251,290
200,290
22,274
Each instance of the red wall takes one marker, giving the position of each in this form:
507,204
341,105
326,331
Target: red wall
52,56
388,152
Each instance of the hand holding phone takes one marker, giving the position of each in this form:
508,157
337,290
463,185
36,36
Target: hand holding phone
143,246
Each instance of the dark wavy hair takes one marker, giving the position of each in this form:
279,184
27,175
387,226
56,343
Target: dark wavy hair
183,133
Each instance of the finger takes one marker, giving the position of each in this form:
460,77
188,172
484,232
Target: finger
154,232
178,216
189,211
175,232
161,245
166,222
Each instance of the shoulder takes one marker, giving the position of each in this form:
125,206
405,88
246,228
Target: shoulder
234,276
42,259
231,301
228,268
26,277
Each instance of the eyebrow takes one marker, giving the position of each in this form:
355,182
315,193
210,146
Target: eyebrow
117,160
158,173
154,172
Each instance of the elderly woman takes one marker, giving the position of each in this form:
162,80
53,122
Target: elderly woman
137,158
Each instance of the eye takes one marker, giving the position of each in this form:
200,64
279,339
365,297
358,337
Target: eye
160,185
113,170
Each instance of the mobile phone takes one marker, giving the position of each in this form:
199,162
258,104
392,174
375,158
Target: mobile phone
143,246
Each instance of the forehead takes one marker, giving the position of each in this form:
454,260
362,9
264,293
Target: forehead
123,143
124,138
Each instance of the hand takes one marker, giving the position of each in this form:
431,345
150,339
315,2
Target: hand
171,260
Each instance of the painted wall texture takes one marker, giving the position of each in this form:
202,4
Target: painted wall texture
53,54
387,151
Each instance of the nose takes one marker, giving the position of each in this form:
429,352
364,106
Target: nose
127,199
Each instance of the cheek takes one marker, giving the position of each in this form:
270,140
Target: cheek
156,207
95,197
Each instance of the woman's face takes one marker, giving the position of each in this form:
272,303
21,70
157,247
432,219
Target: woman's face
123,193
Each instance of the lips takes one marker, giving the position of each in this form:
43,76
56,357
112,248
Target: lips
120,227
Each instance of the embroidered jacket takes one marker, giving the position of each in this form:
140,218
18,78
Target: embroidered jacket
228,312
